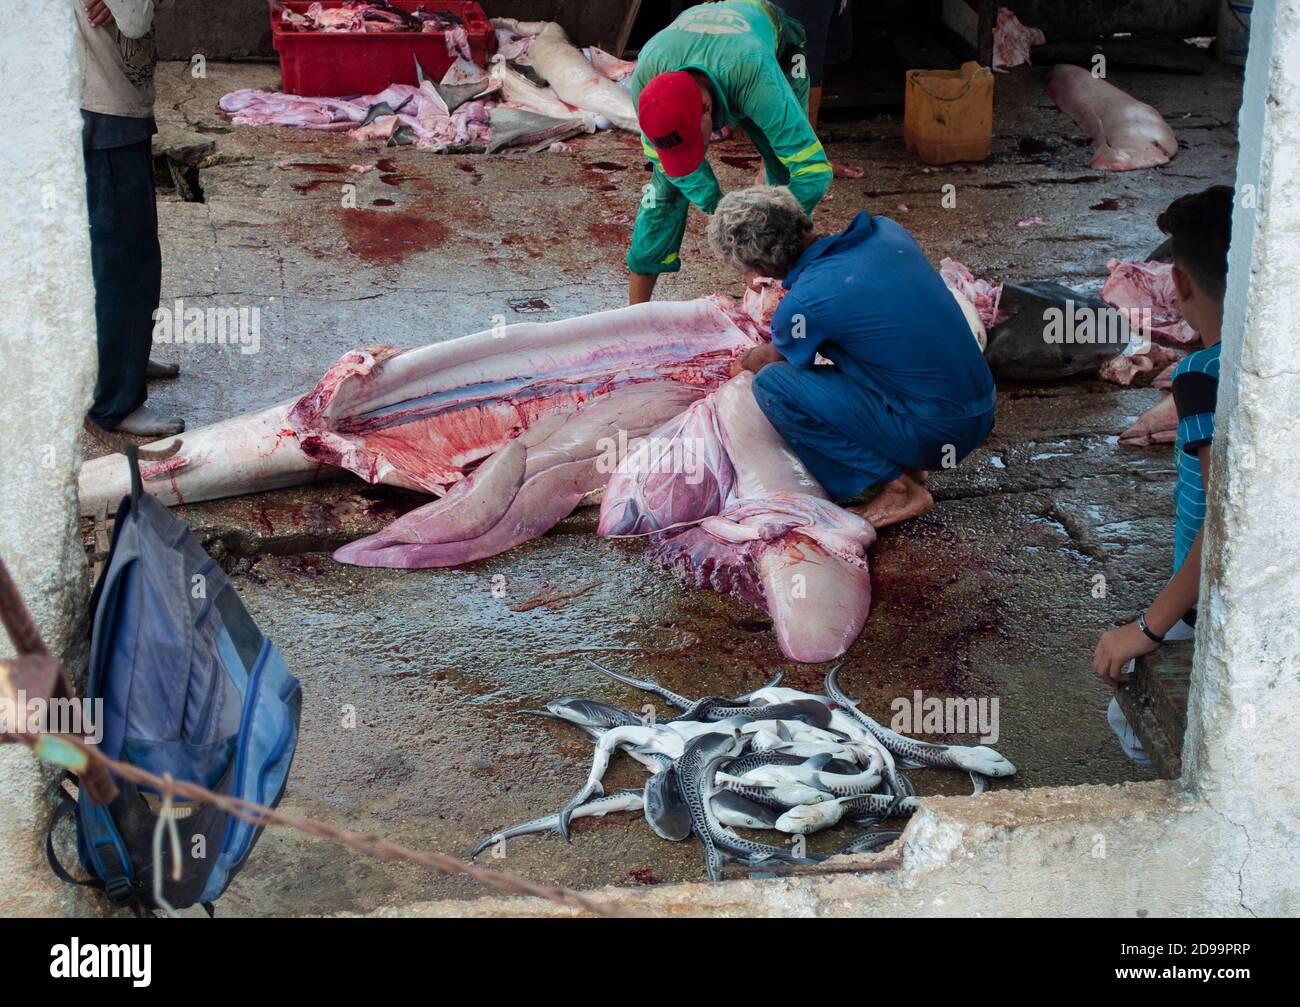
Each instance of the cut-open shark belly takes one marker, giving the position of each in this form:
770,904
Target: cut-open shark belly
737,511
524,489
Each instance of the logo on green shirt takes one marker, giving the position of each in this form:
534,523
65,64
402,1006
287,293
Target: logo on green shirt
712,22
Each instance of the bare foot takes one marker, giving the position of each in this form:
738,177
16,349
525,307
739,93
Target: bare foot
846,170
144,422
902,499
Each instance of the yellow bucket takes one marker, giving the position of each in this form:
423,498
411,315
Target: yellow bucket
948,114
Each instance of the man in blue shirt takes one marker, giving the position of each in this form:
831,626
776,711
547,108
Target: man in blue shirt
1200,227
872,375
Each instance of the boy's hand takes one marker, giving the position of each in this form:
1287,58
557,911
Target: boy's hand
1116,648
97,13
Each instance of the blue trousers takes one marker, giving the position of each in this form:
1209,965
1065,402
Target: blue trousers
850,437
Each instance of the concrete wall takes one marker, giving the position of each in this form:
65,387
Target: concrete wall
238,29
1177,18
1242,732
235,29
1136,851
47,343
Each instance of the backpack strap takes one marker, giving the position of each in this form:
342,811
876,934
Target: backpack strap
117,884
66,807
137,483
116,881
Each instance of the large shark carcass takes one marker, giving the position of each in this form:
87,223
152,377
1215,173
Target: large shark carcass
510,428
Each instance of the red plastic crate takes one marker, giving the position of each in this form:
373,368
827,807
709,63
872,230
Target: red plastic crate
338,64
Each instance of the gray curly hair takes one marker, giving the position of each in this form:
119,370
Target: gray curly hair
759,230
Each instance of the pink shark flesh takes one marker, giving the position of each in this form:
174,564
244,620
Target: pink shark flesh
519,493
776,541
679,475
425,418
1134,287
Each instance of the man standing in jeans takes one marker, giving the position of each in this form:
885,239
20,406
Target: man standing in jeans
118,54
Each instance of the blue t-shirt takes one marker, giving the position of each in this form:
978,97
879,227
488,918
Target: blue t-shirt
868,300
1196,391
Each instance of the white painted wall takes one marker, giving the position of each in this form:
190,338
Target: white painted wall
47,346
1243,727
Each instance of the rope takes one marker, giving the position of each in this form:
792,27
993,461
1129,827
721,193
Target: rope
261,815
166,823
95,771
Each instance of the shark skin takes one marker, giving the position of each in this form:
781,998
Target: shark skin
1126,134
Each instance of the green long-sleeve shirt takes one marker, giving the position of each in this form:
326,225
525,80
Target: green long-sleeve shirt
739,45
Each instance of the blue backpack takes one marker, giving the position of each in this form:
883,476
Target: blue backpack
189,686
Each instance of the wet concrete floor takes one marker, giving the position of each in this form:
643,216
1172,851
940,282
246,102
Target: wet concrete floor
414,681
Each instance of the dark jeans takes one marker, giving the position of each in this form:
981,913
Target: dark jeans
127,266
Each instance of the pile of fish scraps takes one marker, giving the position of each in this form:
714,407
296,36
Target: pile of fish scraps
775,758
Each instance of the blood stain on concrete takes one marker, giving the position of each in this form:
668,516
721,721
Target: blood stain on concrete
609,234
390,237
324,167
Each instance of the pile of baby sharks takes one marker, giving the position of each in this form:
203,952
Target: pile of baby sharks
775,758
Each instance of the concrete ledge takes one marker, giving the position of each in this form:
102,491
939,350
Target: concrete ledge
1059,852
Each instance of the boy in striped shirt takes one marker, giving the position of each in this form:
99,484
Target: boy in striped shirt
1200,226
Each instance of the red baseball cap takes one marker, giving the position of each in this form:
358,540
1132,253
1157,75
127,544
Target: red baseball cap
669,112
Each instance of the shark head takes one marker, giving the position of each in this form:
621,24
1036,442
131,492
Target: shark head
983,760
807,818
586,712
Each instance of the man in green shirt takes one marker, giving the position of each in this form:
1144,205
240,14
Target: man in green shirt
719,64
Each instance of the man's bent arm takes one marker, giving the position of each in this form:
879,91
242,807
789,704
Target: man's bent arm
769,101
